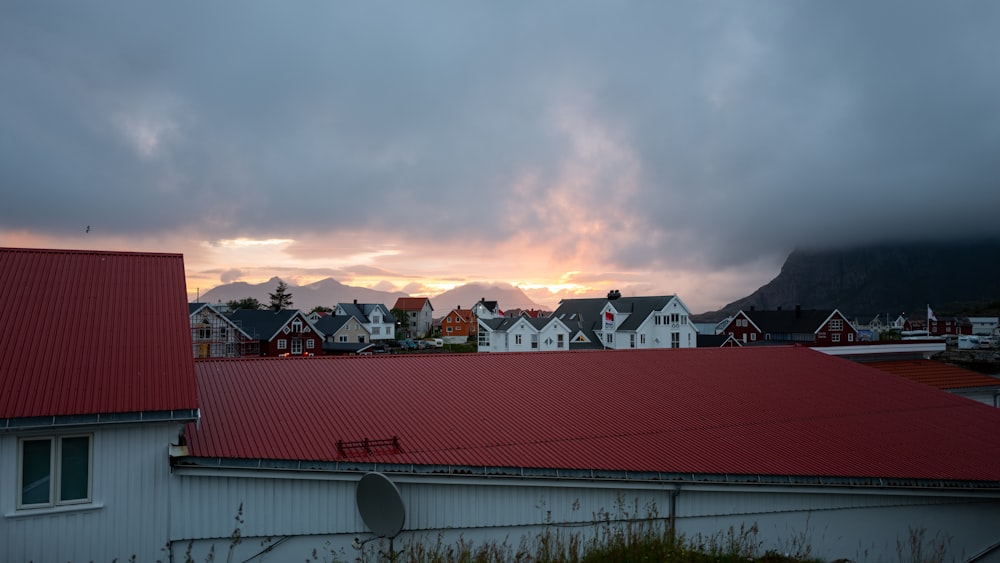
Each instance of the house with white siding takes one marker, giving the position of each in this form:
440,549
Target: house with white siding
377,319
501,447
522,334
617,322
92,405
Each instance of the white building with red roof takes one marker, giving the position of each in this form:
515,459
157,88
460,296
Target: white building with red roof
798,444
96,382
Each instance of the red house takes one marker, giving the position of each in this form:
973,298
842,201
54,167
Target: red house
800,326
280,333
460,323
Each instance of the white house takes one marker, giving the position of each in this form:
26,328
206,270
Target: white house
984,326
628,322
419,316
522,334
97,381
378,321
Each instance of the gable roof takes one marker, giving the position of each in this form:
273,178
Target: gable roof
463,315
77,338
584,315
797,321
363,311
194,308
412,303
667,412
265,323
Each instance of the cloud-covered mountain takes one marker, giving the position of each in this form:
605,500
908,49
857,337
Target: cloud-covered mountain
961,277
507,297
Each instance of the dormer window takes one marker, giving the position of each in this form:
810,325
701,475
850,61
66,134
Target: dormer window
297,325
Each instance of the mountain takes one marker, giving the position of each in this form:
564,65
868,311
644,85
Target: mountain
326,292
507,297
953,278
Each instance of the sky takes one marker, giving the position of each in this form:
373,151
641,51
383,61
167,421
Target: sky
567,148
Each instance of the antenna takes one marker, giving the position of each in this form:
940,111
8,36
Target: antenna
380,505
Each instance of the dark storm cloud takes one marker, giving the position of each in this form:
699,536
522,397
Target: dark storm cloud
740,130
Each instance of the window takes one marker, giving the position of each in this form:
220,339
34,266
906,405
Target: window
204,333
296,345
675,340
376,330
534,341
282,344
484,338
850,337
835,337
631,340
54,471
836,325
642,338
297,325
342,338
517,339
559,341
448,329
376,319
753,336
310,344
609,337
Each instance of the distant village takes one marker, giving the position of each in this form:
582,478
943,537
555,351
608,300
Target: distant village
247,328
137,426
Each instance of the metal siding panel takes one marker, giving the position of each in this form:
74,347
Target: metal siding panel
131,477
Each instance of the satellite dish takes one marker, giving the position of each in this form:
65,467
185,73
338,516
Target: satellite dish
380,505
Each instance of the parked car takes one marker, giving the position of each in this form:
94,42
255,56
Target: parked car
408,344
433,342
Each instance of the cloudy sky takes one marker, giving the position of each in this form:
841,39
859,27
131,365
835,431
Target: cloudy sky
564,147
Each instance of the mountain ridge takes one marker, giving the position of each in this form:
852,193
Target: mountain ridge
959,277
327,292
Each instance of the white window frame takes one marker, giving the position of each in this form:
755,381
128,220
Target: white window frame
836,325
282,344
310,343
296,346
55,471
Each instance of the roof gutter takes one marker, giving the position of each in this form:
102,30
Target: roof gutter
310,469
70,420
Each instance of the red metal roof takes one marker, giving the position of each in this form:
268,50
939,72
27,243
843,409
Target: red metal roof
938,374
88,332
759,411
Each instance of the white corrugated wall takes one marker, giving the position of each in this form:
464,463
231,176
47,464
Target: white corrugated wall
128,516
321,513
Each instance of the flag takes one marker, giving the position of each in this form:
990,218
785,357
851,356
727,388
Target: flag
930,314
610,317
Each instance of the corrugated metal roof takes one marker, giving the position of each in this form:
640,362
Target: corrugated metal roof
938,374
766,411
87,332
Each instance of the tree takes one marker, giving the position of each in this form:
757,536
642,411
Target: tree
245,303
280,299
402,322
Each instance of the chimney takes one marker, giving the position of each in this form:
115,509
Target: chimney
355,301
